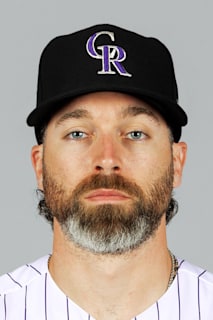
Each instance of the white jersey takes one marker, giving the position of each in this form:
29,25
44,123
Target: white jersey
29,293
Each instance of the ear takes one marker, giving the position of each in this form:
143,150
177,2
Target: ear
179,158
37,162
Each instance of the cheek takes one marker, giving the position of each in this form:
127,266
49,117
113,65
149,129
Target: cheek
65,169
149,165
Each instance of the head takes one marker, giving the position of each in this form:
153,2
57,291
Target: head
108,125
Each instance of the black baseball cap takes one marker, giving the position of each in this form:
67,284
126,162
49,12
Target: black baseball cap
106,58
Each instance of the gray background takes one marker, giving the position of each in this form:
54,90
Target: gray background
185,26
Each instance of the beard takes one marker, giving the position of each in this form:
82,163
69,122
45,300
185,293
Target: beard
109,228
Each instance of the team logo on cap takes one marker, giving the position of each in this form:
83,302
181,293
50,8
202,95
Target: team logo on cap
111,56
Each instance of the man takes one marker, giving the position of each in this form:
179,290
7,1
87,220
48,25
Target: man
108,126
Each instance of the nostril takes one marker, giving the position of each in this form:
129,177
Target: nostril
107,169
116,168
98,168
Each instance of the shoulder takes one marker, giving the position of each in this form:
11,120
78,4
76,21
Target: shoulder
195,284
195,273
23,276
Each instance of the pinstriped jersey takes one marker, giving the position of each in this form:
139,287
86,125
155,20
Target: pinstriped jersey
29,293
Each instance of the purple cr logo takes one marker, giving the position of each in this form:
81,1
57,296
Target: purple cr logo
109,54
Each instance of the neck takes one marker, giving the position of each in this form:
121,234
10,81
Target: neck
112,287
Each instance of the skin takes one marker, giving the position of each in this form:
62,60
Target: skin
109,287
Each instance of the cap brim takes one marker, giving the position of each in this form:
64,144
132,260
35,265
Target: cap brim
171,111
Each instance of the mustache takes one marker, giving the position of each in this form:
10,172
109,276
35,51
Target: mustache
112,181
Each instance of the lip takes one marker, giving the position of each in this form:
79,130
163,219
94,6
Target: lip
106,195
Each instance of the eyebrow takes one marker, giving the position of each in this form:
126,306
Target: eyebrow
133,111
76,114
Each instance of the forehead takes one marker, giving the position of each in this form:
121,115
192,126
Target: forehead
106,104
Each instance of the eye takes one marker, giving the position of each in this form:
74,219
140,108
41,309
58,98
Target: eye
136,135
77,135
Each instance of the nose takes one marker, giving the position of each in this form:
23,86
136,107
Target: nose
107,156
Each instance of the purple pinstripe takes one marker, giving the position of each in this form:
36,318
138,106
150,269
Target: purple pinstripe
157,305
14,280
178,287
198,294
25,304
30,266
68,317
5,308
45,296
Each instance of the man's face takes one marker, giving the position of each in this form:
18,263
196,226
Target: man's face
107,169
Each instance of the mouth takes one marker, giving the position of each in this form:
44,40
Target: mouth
106,196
